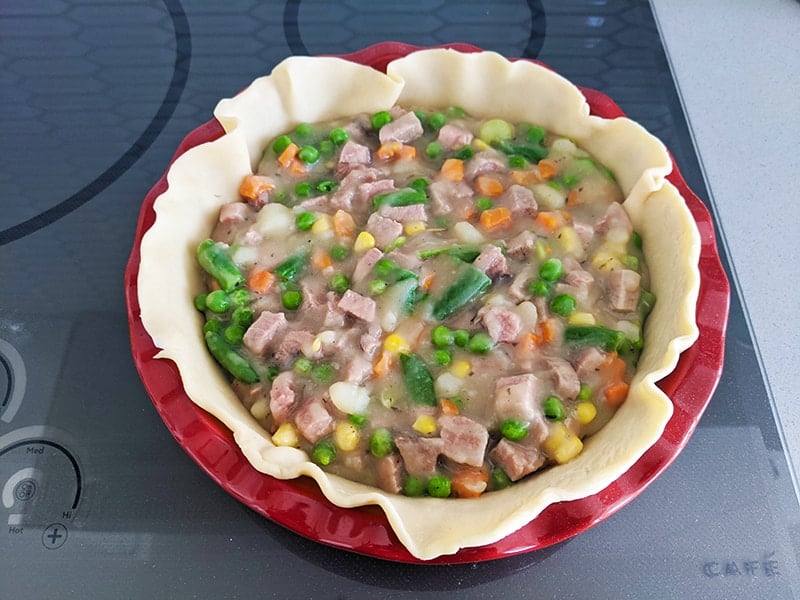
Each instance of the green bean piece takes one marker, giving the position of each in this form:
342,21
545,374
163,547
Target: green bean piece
357,420
272,372
218,301
530,152
442,357
292,267
535,134
418,379
292,299
303,189
281,143
461,338
468,286
215,261
338,136
553,408
233,334
398,241
433,150
539,288
465,252
436,121
498,479
480,343
339,283
323,453
514,429
401,197
305,220
442,336
308,154
420,184
388,270
380,118
464,153
200,302
229,358
594,335
439,486
517,162
212,325
414,486
551,270
381,443
563,304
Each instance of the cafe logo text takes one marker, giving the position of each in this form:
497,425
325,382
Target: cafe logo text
767,566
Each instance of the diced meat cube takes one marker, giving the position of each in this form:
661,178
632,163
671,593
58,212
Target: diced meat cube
358,369
488,161
624,289
420,454
370,340
342,198
235,212
365,264
502,324
404,214
384,230
515,459
518,397
317,203
403,129
452,136
333,316
565,379
262,332
352,155
369,189
588,362
519,200
357,305
521,245
518,290
578,276
293,343
464,440
584,230
492,262
389,470
313,420
282,397
448,196
615,217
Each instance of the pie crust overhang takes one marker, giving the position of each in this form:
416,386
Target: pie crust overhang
484,84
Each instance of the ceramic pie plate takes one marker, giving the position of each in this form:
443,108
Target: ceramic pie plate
236,461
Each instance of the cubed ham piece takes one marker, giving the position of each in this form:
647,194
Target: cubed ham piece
358,369
464,439
588,362
584,230
518,397
333,316
492,262
317,203
488,161
389,470
448,196
521,245
282,397
404,214
313,420
352,155
452,136
519,200
357,305
293,343
235,212
615,217
344,195
565,379
370,340
403,129
502,324
420,454
365,264
518,290
370,189
263,331
576,275
384,230
624,289
515,459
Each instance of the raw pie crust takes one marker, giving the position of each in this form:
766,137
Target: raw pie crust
484,84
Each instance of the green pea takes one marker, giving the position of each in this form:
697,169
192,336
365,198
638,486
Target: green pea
442,357
339,283
514,429
339,253
308,154
323,453
303,366
242,315
233,334
305,220
456,112
539,288
630,261
535,134
442,336
464,153
553,408
436,121
200,302
213,326
239,297
563,305
439,486
585,393
381,118
326,186
551,270
483,203
636,240
281,143
461,338
303,189
326,147
377,286
339,136
516,161
218,301
292,299
384,267
433,150
414,486
498,479
303,130
357,420
480,343
381,442
323,372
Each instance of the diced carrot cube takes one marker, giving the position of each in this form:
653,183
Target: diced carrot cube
260,281
253,187
488,186
495,218
343,224
453,169
547,168
469,482
288,155
615,393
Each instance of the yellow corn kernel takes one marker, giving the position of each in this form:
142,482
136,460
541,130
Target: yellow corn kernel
396,344
569,240
321,225
286,435
346,436
460,368
480,144
425,424
585,412
581,318
260,409
414,227
364,242
561,444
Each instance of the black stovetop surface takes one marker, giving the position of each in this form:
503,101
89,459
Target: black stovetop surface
95,98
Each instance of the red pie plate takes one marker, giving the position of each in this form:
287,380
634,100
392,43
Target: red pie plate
299,504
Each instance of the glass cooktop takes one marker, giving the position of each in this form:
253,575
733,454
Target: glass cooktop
97,498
